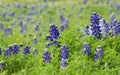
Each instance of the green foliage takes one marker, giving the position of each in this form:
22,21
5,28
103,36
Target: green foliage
77,63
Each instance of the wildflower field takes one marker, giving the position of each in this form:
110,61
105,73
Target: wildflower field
59,37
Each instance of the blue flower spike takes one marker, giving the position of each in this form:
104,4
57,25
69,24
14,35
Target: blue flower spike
86,48
46,56
98,53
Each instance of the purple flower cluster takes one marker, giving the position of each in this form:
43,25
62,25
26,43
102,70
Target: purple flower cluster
35,40
7,52
26,50
86,49
64,22
2,64
64,25
7,31
95,25
98,53
0,50
54,31
46,56
63,63
114,26
1,26
36,28
61,18
104,28
15,49
86,30
12,49
100,28
64,52
54,35
94,19
63,56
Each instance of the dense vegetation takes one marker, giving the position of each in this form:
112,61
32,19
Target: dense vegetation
59,37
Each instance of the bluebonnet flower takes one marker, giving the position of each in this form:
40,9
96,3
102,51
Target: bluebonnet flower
94,19
7,31
46,56
87,30
1,26
23,28
112,4
17,5
35,40
48,45
7,52
0,50
112,18
15,49
49,38
64,25
28,18
86,48
63,63
26,50
113,27
104,28
11,14
98,53
117,28
35,51
21,23
36,28
24,6
54,31
62,28
28,13
95,25
4,13
118,6
33,7
64,52
61,18
10,48
2,64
